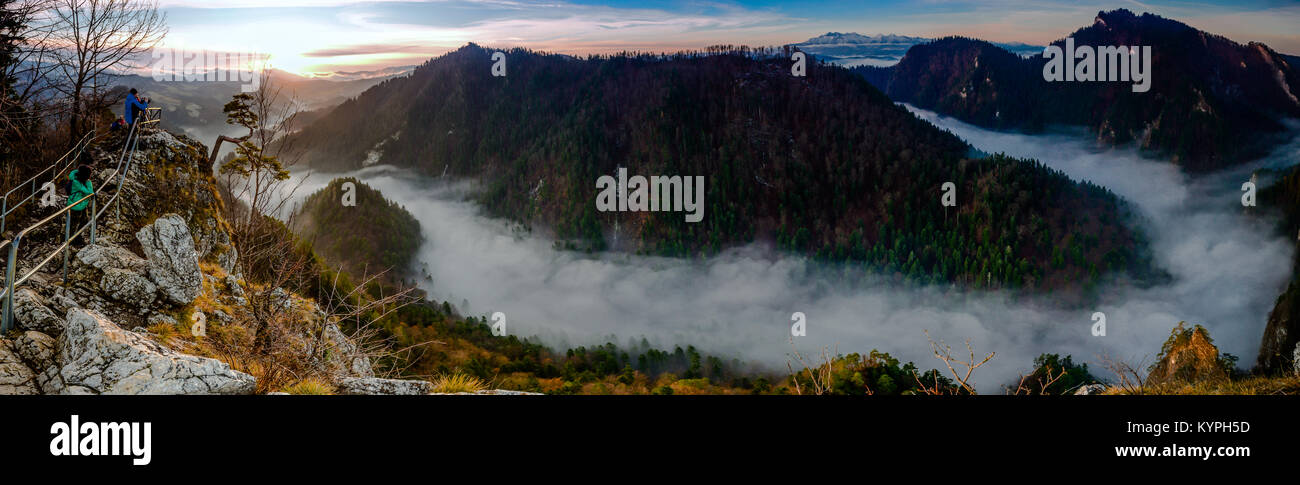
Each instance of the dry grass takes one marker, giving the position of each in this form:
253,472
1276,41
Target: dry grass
453,383
310,386
1253,385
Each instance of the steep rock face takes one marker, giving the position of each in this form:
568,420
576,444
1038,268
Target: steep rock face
173,261
99,358
1281,341
169,176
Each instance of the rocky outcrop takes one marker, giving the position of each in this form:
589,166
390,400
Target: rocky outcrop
103,257
344,359
1090,390
99,358
490,392
15,376
1282,333
1295,360
31,313
375,385
173,261
1188,357
129,287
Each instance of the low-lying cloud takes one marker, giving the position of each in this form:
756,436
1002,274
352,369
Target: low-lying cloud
1227,268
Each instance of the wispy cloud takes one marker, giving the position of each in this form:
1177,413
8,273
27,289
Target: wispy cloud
321,35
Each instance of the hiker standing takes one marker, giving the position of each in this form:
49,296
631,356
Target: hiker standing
79,187
135,108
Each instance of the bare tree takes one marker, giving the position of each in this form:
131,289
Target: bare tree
943,352
1129,377
259,167
94,40
1025,387
819,376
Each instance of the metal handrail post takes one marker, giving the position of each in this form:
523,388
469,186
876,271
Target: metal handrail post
6,321
67,236
94,205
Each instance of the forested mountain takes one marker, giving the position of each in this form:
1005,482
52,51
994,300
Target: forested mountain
388,244
823,165
1212,102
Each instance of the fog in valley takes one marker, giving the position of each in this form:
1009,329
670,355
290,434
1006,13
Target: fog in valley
1226,268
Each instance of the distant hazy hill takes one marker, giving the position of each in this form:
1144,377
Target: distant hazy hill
1212,102
823,165
196,106
852,49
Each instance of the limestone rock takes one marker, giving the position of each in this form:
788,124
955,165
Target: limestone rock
99,358
129,287
15,376
344,360
1295,359
103,257
160,319
31,313
173,261
1091,390
39,352
375,385
490,392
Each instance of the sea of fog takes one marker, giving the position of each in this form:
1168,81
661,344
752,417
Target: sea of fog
1227,269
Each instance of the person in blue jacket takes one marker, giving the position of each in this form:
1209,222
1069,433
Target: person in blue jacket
134,107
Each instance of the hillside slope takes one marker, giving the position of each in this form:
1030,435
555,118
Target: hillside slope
1212,102
387,245
822,165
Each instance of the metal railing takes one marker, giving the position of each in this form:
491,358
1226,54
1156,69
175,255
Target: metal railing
13,280
56,171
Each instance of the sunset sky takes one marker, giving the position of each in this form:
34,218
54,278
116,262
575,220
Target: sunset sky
306,36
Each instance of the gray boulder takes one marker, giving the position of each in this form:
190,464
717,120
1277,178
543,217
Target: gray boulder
15,376
129,287
98,357
103,257
342,356
39,351
376,386
173,261
31,313
1090,390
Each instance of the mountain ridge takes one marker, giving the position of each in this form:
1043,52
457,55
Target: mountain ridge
1227,98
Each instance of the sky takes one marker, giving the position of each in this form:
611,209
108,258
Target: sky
309,36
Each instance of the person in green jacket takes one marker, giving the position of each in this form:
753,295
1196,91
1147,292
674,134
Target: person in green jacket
80,186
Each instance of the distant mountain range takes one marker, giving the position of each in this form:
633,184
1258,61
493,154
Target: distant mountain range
383,73
1212,102
853,49
196,106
